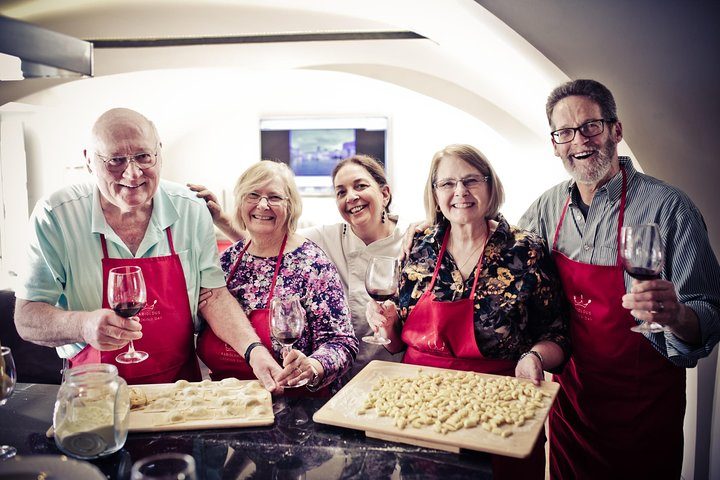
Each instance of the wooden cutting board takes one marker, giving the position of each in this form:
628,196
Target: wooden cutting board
184,405
342,411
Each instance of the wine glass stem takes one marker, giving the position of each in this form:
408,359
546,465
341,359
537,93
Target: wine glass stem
131,347
377,334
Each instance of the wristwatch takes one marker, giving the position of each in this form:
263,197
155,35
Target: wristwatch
250,349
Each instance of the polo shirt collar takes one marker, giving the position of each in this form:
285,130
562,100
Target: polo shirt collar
164,214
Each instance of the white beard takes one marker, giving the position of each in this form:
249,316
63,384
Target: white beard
592,172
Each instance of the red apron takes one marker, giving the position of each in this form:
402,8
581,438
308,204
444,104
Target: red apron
222,360
619,413
442,334
168,333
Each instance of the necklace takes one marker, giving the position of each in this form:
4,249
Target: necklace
470,256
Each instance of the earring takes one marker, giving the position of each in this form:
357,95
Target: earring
382,218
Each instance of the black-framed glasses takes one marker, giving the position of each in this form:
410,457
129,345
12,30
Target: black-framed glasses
588,129
272,200
450,184
118,164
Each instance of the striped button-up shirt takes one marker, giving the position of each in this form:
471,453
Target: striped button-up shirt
690,263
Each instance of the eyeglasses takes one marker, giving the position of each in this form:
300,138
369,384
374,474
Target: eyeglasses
119,164
450,184
272,200
589,129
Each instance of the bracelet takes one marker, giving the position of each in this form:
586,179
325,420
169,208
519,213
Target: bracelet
316,376
250,349
537,354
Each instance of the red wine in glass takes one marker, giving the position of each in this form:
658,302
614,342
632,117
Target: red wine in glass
286,338
127,296
642,255
380,295
640,273
128,309
381,283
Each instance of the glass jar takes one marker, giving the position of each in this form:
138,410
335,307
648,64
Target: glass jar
92,411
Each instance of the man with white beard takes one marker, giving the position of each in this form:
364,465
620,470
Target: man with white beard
619,413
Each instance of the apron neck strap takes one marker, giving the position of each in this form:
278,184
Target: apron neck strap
562,217
621,215
478,265
277,266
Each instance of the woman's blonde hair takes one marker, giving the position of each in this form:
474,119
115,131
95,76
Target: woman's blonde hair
475,158
262,173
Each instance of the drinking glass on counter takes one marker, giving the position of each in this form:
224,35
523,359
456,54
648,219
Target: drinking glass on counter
92,411
8,376
164,466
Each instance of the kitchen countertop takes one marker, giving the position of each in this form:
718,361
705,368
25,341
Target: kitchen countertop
293,447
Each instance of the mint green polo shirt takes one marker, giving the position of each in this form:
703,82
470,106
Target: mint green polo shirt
63,266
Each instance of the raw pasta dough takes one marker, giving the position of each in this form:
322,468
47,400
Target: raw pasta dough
184,401
449,402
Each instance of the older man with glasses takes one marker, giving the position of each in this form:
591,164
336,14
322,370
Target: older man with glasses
619,413
128,217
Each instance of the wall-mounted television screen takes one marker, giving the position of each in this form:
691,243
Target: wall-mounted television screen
313,146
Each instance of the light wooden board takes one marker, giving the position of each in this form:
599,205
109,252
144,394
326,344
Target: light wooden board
341,411
252,406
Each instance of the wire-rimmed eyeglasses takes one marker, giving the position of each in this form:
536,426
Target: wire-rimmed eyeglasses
450,184
118,164
272,200
588,129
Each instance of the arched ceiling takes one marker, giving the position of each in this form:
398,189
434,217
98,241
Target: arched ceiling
490,57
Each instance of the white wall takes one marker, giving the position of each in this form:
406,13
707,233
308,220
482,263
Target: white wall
210,134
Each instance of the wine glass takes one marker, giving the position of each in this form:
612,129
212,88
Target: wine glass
287,321
381,281
8,376
642,255
164,466
127,296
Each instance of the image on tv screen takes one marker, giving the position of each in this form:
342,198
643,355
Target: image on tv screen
312,146
315,152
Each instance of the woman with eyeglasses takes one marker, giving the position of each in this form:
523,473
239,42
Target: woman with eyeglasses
273,261
476,293
363,198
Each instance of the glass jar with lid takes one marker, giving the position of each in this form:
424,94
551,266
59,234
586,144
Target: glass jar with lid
92,411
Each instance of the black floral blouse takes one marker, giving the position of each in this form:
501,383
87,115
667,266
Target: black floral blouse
518,300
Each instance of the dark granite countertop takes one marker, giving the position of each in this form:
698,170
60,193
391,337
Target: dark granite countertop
293,447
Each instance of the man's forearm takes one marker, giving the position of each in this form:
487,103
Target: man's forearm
687,326
47,325
228,321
